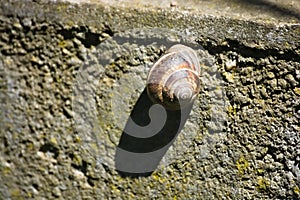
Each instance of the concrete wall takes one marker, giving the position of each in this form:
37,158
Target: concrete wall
71,74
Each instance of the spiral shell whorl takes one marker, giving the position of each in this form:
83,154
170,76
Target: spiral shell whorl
173,81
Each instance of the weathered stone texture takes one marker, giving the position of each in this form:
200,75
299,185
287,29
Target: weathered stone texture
247,148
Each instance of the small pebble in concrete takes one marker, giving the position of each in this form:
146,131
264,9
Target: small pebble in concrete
173,4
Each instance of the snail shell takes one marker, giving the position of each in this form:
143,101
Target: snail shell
174,80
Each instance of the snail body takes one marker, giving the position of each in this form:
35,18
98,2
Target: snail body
174,80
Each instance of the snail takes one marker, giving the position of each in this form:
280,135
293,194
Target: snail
174,80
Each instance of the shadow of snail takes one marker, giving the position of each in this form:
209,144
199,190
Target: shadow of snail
160,113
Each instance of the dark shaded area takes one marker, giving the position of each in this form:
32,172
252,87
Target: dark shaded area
134,175
48,147
150,149
86,36
82,167
273,7
140,116
233,45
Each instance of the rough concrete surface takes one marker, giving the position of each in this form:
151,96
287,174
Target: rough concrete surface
71,73
264,10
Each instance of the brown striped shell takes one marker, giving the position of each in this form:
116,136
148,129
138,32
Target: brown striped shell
174,80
